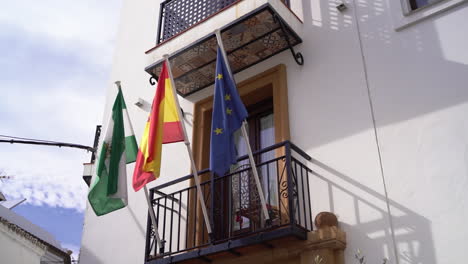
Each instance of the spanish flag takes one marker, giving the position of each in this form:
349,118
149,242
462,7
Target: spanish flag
163,126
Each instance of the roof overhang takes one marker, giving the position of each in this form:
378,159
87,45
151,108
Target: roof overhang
253,31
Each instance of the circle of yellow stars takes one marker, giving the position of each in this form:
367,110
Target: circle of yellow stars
227,97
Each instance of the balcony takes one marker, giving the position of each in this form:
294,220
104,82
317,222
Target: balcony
252,31
234,209
177,16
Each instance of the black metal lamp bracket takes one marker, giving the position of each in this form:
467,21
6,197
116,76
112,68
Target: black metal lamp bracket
152,80
297,55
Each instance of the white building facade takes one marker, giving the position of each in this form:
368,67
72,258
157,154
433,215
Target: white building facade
379,105
22,242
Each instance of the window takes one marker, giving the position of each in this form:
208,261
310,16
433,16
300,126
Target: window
406,12
265,96
417,4
244,194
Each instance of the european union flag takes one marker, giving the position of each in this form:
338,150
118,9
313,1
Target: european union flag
228,114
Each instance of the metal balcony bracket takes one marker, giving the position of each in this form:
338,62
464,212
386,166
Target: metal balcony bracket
296,55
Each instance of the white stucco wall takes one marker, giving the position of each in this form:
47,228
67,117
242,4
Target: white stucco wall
14,248
417,81
119,237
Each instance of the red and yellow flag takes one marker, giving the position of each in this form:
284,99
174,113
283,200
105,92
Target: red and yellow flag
163,126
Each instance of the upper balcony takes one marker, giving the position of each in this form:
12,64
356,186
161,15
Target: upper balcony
234,209
252,31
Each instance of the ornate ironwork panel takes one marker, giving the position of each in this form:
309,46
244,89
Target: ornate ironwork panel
179,15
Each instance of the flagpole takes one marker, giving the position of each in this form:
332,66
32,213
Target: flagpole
189,150
126,110
150,207
153,219
246,137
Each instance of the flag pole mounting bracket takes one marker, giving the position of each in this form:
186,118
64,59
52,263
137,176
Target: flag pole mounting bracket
297,55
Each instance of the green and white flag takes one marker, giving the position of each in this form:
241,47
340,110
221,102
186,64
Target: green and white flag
119,147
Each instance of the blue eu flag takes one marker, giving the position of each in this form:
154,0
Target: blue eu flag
228,114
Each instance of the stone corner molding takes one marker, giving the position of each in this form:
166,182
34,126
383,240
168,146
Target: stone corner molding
23,234
327,243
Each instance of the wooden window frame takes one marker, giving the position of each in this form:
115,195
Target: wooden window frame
412,5
271,83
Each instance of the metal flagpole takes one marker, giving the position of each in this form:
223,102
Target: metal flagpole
150,206
153,219
189,150
246,137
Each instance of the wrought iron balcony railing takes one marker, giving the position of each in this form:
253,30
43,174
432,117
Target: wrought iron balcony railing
177,16
233,207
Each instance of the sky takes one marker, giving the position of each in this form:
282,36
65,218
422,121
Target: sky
55,62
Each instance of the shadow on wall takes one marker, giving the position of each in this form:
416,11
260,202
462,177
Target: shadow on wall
372,237
135,219
410,74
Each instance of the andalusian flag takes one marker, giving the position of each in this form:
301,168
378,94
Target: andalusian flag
109,190
163,126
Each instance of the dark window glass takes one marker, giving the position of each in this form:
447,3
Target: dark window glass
416,4
243,214
261,135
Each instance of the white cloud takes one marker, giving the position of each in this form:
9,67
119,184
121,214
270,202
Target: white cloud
45,177
64,112
88,26
57,66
